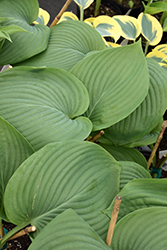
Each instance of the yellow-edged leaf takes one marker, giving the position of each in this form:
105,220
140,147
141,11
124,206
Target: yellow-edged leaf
68,16
107,26
89,20
130,26
157,55
113,45
151,28
162,48
43,17
84,4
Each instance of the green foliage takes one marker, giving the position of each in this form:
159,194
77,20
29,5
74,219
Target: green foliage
64,87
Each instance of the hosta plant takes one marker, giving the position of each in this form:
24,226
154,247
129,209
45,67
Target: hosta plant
65,86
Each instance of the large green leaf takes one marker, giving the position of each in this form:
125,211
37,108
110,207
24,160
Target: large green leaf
142,230
68,231
44,104
69,42
125,154
117,81
141,193
68,174
146,117
25,45
14,149
131,171
155,7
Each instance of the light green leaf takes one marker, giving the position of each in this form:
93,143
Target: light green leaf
70,41
110,76
125,154
141,193
130,26
68,231
4,35
68,174
84,3
142,230
44,104
165,25
149,113
14,149
107,26
25,45
151,28
131,171
155,7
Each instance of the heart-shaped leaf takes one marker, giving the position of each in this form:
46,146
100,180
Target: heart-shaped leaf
68,174
69,42
113,94
24,45
141,193
44,104
68,230
149,113
130,26
141,230
151,28
14,149
131,171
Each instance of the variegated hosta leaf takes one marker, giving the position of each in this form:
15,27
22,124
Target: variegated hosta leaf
130,26
131,171
44,104
162,48
90,20
125,154
24,45
14,149
144,229
148,114
107,26
43,17
68,16
113,45
155,7
68,174
84,4
110,76
70,41
158,56
151,29
68,230
141,193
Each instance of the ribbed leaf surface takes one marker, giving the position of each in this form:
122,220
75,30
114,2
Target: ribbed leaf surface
144,119
69,42
14,149
68,231
131,171
141,193
117,82
125,154
63,175
142,230
24,45
44,104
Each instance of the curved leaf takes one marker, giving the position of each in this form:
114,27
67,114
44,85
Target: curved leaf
68,231
107,26
67,15
43,17
38,103
130,26
149,113
68,174
144,229
84,3
141,193
125,154
14,149
113,74
25,45
155,7
131,171
69,42
151,28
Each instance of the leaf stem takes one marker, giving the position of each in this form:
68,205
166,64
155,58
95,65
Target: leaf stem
113,220
1,230
164,126
57,18
97,136
81,13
